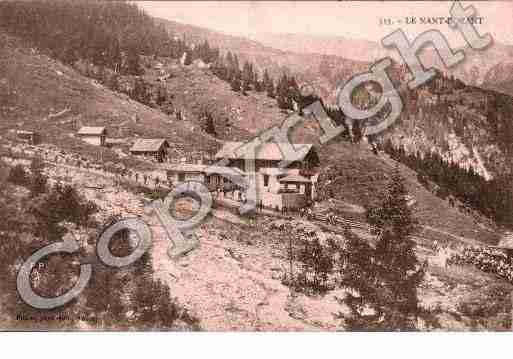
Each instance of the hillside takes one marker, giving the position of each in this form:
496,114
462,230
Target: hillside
194,90
237,278
466,125
41,94
305,66
463,133
361,174
354,174
498,78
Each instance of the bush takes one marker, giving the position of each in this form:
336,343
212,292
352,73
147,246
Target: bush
37,184
314,259
488,260
38,180
74,208
61,204
316,265
18,176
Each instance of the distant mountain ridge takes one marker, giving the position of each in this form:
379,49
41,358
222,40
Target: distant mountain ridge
354,49
472,71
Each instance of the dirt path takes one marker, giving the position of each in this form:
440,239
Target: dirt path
233,286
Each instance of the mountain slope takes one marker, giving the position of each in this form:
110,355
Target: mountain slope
434,119
499,78
34,88
195,90
305,66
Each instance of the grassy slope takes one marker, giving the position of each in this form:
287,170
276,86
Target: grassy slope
236,116
32,86
363,176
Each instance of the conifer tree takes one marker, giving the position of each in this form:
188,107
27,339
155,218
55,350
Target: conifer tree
188,58
270,89
282,93
236,83
140,92
268,84
133,66
384,279
247,76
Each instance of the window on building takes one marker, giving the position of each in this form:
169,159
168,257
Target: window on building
266,180
181,177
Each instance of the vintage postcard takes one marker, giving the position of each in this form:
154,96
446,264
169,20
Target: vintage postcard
242,166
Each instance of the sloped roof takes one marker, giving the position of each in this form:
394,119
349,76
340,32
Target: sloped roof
267,151
295,179
186,167
24,132
91,130
207,169
148,145
506,241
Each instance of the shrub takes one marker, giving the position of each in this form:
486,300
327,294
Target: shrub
488,260
316,265
312,259
18,176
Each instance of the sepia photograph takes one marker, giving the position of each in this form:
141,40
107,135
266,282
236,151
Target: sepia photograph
256,166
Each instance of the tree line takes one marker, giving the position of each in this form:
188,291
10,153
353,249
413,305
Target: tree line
246,77
106,34
493,198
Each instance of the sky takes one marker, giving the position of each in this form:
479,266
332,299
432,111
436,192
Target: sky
352,19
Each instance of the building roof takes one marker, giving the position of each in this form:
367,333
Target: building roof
295,179
23,132
207,169
91,130
186,167
148,145
506,241
267,151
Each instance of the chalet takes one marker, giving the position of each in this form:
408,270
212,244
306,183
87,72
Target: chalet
181,172
28,136
151,147
292,186
93,135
